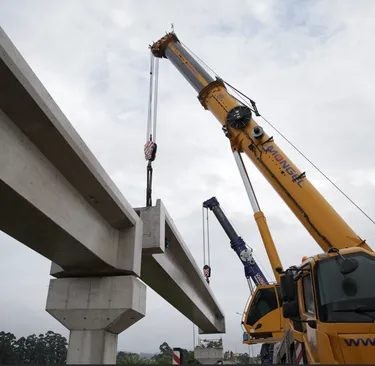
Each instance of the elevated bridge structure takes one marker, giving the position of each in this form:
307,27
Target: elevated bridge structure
56,199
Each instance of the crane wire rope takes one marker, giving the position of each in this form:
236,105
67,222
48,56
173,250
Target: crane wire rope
156,87
150,95
206,244
281,134
150,146
204,238
208,240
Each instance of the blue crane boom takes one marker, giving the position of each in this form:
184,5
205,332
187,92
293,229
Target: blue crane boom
252,270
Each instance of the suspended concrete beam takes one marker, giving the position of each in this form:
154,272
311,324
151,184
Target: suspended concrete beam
54,195
170,270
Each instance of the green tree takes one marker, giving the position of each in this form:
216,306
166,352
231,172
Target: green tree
165,349
49,348
132,358
121,355
19,349
205,343
165,355
163,359
243,358
228,356
191,358
7,341
56,345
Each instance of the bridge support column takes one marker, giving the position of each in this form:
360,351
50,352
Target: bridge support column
96,310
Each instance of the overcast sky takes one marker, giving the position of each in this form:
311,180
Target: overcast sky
309,65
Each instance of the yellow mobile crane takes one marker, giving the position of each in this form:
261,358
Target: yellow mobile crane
328,301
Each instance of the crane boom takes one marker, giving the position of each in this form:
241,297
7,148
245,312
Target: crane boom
252,270
319,218
317,309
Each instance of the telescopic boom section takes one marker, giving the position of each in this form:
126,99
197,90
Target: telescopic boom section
252,269
314,212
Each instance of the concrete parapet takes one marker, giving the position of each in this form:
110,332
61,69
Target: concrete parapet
96,310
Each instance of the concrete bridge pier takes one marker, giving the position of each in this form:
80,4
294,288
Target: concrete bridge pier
96,310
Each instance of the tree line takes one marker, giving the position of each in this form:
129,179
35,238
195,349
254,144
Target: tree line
164,357
51,348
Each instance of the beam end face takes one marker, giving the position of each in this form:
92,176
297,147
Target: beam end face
153,219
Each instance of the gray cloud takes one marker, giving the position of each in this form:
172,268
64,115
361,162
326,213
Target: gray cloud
310,69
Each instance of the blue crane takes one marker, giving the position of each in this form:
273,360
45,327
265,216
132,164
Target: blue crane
252,270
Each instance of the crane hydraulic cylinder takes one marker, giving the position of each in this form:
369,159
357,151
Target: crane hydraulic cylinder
251,268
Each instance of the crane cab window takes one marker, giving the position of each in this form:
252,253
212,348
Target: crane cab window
264,302
308,294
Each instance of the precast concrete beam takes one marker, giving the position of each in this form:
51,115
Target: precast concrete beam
174,274
54,195
96,310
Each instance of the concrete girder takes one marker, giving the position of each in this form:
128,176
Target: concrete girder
43,122
55,196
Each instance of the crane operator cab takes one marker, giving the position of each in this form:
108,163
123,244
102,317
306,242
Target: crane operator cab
263,320
329,300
